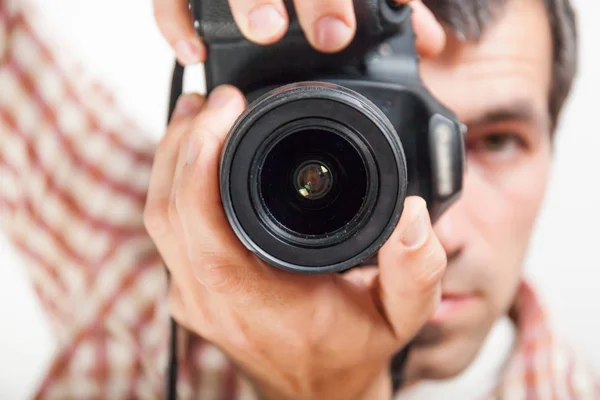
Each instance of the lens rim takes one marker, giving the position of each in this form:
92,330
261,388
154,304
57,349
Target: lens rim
360,218
300,100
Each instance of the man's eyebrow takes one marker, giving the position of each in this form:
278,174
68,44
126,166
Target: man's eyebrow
518,110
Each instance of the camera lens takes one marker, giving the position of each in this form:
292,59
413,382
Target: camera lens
313,177
313,182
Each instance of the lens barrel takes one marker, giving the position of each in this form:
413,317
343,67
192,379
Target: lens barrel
313,178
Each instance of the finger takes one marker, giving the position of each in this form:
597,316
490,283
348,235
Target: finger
215,253
212,117
209,118
161,179
411,266
223,106
260,21
156,218
216,256
225,103
430,36
187,107
174,21
163,169
329,26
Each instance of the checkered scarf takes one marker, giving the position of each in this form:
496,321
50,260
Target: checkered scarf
73,178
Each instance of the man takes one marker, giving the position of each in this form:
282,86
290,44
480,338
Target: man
86,245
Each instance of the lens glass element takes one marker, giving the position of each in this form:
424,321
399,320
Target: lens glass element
313,182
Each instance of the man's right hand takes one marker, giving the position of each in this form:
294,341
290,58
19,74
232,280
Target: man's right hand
329,25
296,336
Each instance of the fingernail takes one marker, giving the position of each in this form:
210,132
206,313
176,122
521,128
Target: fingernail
189,51
416,232
186,105
332,34
265,22
193,150
219,97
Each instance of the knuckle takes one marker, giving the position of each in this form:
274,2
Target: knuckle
320,327
314,332
155,218
220,275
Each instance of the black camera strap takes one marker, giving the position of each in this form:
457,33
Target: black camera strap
171,387
397,368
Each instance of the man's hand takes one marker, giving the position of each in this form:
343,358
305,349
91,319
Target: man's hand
296,336
329,25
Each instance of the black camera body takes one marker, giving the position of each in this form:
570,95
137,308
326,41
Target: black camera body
314,173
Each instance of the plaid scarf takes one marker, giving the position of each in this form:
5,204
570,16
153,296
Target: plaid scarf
73,179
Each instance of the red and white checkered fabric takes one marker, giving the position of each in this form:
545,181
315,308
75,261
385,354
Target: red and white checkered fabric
73,177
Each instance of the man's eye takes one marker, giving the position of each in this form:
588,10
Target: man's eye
499,142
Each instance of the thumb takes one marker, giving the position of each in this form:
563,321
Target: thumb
411,266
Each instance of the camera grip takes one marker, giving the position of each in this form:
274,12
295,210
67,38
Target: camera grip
216,23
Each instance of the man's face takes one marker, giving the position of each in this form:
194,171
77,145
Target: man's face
499,87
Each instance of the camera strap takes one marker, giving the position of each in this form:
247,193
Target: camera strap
171,384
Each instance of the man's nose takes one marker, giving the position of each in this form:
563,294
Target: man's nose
451,228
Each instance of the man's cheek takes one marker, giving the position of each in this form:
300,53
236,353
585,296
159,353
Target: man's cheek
498,236
508,206
523,203
509,233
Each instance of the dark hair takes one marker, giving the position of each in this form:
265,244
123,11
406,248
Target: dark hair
469,19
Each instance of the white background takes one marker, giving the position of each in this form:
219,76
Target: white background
118,41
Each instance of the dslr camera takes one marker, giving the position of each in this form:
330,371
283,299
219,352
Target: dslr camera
314,173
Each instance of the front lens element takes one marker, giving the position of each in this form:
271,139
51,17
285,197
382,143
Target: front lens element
313,180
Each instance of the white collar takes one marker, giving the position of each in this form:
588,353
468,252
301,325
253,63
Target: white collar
480,377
